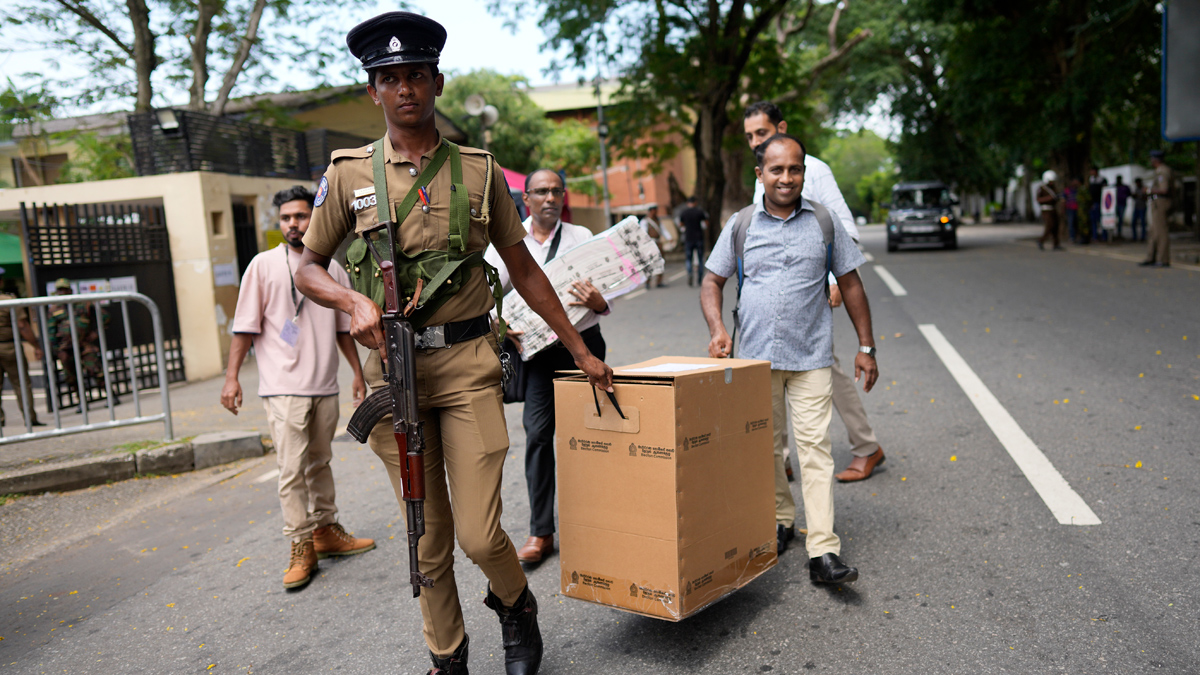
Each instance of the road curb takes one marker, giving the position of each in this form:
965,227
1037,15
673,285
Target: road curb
202,452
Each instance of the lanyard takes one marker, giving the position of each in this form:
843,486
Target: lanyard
292,278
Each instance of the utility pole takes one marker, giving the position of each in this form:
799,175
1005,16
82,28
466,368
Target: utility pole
602,130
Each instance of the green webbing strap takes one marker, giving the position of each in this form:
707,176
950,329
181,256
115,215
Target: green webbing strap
410,199
459,205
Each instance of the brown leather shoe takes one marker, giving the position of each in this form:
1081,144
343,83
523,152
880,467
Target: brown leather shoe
861,468
334,540
535,549
302,565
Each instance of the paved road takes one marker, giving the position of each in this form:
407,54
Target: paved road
965,568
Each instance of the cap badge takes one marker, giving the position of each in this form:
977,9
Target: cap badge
394,45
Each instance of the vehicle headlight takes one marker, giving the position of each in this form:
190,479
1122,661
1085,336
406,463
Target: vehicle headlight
892,227
945,220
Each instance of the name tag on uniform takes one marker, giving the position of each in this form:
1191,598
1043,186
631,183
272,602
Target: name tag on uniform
290,333
363,192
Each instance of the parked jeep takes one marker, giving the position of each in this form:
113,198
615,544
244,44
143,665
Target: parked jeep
921,213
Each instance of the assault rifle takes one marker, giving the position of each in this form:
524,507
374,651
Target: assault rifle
399,399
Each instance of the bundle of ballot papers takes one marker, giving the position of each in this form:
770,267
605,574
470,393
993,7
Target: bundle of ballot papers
616,261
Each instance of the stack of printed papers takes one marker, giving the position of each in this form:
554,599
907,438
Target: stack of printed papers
616,261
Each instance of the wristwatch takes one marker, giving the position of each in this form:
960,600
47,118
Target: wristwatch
869,351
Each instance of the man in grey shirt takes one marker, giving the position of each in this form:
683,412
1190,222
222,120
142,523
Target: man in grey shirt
786,319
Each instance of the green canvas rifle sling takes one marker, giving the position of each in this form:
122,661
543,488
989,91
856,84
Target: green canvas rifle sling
437,268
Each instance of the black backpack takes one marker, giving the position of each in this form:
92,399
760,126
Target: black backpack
742,223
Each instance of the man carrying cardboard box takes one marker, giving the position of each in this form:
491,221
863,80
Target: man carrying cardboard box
786,319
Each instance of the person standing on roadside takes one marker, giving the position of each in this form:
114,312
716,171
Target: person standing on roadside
295,345
1139,210
695,225
786,319
1158,252
1071,209
1047,199
1122,202
456,201
548,236
8,359
655,231
760,121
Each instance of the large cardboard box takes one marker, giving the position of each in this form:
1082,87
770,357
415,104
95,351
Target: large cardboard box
672,508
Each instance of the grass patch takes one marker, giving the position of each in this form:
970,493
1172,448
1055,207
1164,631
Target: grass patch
134,446
5,500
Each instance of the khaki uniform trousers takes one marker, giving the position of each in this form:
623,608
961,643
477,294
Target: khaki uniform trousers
1159,241
302,429
809,394
8,365
850,408
466,441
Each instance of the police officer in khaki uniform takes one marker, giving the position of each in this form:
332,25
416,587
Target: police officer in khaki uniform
460,397
1158,250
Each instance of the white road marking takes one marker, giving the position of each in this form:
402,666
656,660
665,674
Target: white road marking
868,256
890,280
266,476
1066,505
677,276
634,294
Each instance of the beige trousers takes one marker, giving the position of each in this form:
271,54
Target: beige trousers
809,394
466,440
850,408
1159,242
302,429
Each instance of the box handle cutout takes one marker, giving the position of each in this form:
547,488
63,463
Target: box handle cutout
610,421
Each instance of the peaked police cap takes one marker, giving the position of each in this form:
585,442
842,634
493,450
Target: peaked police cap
396,37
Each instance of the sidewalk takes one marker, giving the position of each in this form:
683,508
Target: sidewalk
196,409
1185,250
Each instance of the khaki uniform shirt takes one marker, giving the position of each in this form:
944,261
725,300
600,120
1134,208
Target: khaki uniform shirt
348,208
1161,187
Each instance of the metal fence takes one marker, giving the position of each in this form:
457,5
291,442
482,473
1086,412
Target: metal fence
170,141
70,357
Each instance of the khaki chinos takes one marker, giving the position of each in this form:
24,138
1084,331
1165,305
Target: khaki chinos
809,395
302,429
466,441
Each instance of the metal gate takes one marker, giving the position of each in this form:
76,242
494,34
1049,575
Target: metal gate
103,247
245,235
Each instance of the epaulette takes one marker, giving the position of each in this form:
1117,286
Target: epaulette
351,153
468,150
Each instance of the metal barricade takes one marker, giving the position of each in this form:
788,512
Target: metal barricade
24,385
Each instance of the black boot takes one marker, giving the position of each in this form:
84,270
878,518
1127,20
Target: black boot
455,664
522,639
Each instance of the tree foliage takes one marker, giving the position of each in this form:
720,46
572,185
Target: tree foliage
574,148
99,157
854,157
517,136
149,51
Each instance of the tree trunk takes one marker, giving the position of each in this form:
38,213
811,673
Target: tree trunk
711,121
736,194
239,61
143,53
206,9
1026,180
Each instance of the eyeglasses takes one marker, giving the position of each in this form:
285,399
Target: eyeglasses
543,191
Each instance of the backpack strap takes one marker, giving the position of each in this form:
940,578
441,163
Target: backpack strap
741,223
826,222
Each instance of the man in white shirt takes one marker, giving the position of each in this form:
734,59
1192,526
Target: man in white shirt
655,231
548,237
761,121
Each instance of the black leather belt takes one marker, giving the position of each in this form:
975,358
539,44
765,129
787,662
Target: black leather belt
447,334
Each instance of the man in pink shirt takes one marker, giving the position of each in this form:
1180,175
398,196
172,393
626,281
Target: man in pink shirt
295,344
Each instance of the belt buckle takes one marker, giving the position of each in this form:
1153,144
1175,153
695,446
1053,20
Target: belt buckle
433,337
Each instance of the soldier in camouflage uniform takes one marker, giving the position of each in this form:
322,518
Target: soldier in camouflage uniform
59,328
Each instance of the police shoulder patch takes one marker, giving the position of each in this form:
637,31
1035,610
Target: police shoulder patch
322,191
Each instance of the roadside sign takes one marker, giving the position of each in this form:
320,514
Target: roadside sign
1108,207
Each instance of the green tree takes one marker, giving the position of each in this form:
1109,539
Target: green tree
21,110
853,157
99,157
574,147
518,134
133,49
874,190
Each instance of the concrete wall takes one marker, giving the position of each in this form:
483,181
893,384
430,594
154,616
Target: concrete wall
199,217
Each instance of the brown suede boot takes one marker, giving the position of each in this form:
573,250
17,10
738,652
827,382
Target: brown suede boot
303,564
334,540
